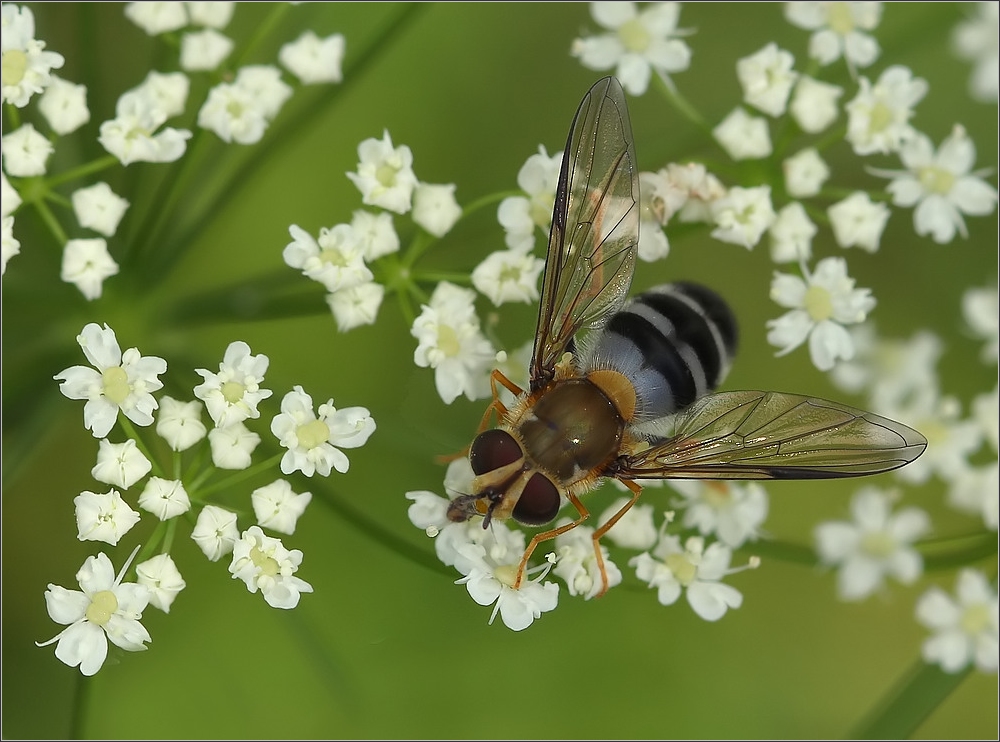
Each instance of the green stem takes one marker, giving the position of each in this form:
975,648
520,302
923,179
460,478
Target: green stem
239,476
261,33
51,222
131,432
917,694
82,171
684,106
957,551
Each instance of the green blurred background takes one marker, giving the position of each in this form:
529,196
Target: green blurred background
387,646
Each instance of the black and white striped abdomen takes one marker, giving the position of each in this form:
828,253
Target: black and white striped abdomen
674,343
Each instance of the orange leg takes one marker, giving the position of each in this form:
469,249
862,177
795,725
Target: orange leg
596,537
546,535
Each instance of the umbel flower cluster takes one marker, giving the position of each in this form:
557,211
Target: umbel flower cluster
176,467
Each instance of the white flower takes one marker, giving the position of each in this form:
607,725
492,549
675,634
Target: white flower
820,307
157,17
314,440
179,423
508,275
103,516
120,464
791,235
879,115
164,498
105,609
974,490
941,185
385,174
25,151
162,579
266,88
357,305
521,215
891,371
232,446
99,208
672,567
658,200
576,562
951,439
26,65
312,59
131,136
977,39
215,532
980,311
743,215
839,30
635,529
814,104
966,629
733,512
277,507
435,208
232,395
233,114
449,341
211,14
9,197
87,263
640,41
805,173
767,79
203,51
876,545
857,221
264,564
489,582
375,233
9,245
64,106
167,92
122,381
336,260
744,137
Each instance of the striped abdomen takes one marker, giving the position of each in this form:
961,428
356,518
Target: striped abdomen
674,343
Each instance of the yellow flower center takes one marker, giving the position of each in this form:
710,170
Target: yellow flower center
116,386
682,568
447,340
880,118
266,564
13,66
386,175
838,17
102,607
818,303
232,391
717,495
313,433
936,179
878,544
506,574
633,35
333,256
975,619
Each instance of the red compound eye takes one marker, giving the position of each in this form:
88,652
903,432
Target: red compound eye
539,502
492,449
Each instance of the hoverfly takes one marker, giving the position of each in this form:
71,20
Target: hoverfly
632,399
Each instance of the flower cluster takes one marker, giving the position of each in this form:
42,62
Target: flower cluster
728,515
124,383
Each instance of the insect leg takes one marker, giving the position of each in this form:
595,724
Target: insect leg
495,406
604,528
546,535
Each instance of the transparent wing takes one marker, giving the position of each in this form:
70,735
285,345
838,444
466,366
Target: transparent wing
595,227
771,435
